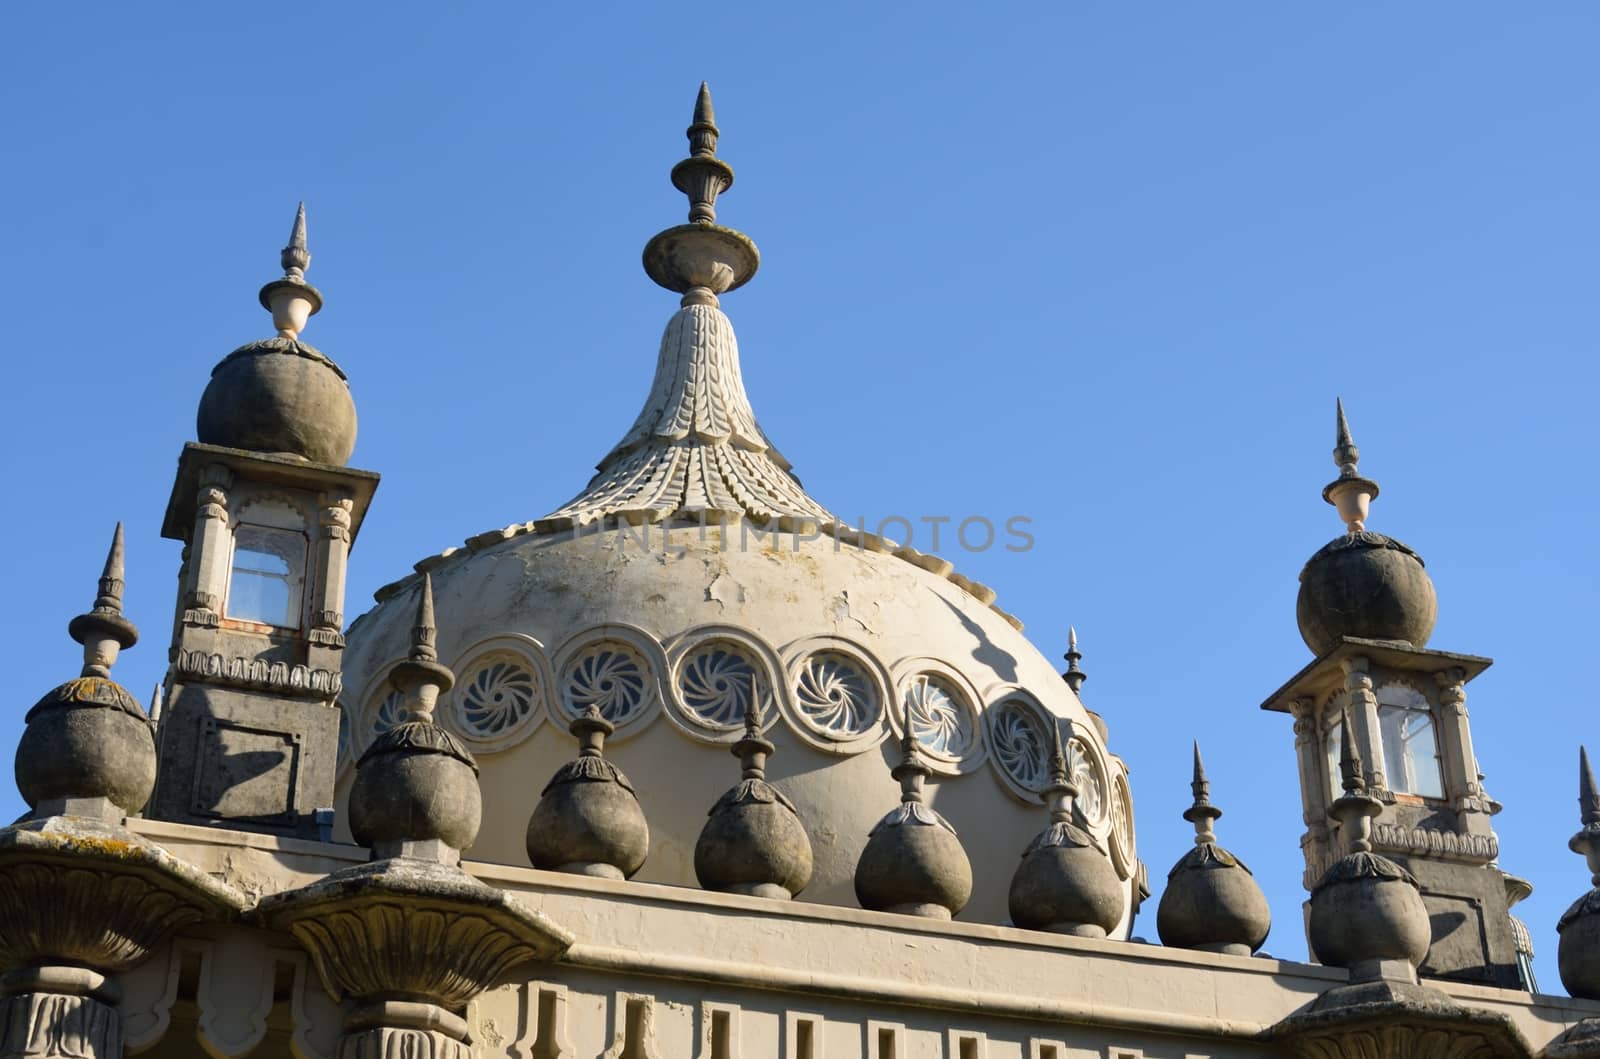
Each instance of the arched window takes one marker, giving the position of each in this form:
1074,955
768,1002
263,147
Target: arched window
1410,748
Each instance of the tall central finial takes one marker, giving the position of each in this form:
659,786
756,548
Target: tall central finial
291,300
701,259
1350,493
703,176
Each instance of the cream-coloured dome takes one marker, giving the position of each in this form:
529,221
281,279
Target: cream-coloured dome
695,564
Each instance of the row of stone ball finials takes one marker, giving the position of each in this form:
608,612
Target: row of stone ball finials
416,795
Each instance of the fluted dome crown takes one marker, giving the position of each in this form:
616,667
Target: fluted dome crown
1362,584
280,395
695,562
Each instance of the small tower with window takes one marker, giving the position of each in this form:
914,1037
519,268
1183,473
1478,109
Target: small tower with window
1366,609
267,511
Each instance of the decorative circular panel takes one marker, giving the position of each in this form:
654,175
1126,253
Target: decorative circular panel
497,697
1020,744
836,697
941,719
609,675
1122,846
1083,767
715,682
390,712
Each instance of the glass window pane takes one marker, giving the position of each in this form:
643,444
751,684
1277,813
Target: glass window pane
268,570
1410,752
1335,748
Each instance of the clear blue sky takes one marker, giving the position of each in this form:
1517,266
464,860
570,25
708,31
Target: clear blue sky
1105,266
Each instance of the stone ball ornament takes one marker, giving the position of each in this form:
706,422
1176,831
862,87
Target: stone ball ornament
416,783
88,738
1365,585
588,820
281,397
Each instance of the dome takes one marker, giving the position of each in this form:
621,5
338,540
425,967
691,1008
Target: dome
694,571
1365,585
279,396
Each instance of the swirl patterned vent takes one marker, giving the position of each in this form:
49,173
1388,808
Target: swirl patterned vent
940,719
1122,842
1021,745
497,697
836,697
610,676
390,712
1084,768
715,684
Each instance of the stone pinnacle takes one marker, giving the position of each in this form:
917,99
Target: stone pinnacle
103,631
1202,814
291,300
1074,676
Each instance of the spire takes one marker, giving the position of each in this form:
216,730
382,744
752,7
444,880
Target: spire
702,176
291,300
1350,493
1074,676
1061,792
753,750
1356,808
295,258
1587,841
1202,814
103,631
420,679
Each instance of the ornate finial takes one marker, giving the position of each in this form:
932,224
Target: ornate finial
1349,756
103,631
425,634
295,258
1587,841
752,750
590,728
702,176
291,300
1350,492
912,770
1074,676
1202,814
701,259
1356,808
1061,794
420,679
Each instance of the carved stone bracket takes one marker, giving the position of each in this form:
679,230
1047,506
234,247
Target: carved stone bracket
411,942
80,900
1377,1020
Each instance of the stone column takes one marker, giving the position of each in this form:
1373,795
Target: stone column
1313,782
332,557
1455,749
59,1011
1364,715
209,545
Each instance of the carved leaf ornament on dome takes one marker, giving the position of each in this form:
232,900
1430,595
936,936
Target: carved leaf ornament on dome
939,720
835,696
497,696
715,684
1020,744
608,676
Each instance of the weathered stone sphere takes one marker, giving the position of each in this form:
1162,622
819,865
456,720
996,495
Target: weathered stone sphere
1368,908
1066,889
279,396
589,826
88,738
753,846
1578,956
416,783
916,868
1214,904
1365,585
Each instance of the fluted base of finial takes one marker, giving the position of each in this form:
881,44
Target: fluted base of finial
593,869
919,908
701,255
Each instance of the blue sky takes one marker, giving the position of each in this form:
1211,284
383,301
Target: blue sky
1104,266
